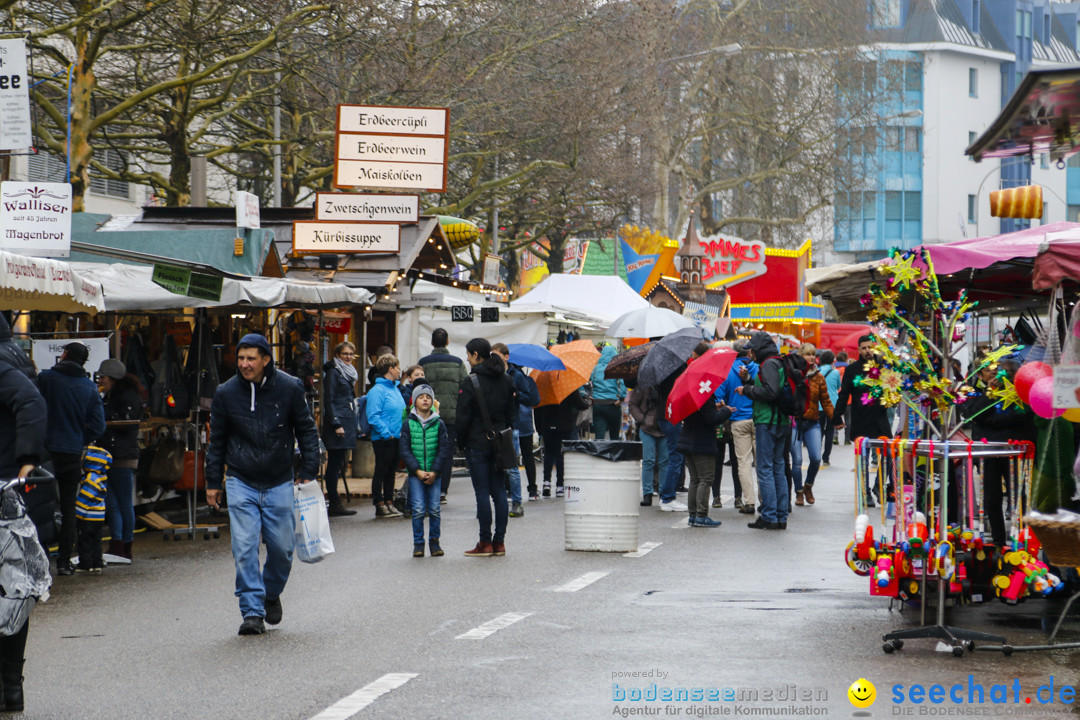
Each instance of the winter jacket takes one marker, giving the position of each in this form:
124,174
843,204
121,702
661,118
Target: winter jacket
743,406
867,419
123,402
833,378
698,435
254,429
424,444
606,389
765,388
10,351
645,409
22,421
90,500
996,425
76,415
498,391
444,373
339,409
527,394
819,396
385,410
561,417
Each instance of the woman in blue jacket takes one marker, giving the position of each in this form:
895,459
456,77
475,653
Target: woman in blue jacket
385,412
339,420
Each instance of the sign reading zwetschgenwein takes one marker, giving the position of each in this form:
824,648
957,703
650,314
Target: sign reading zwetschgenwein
367,207
345,238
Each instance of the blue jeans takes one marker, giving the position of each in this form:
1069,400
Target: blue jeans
811,438
515,473
675,462
489,485
772,481
424,500
120,503
653,453
256,515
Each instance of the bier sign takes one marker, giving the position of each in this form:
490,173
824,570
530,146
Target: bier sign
346,238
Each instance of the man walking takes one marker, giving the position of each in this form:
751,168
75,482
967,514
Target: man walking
256,417
867,419
76,419
444,373
772,430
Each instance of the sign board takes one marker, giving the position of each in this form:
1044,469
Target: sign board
35,218
492,264
46,353
730,261
367,207
345,237
182,281
180,331
1066,386
461,313
247,210
704,316
396,175
489,314
392,120
14,96
391,148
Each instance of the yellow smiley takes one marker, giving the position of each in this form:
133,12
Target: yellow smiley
862,693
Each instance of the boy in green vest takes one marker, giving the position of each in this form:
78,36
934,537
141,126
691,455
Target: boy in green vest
425,448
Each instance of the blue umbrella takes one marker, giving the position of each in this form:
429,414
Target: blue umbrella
534,356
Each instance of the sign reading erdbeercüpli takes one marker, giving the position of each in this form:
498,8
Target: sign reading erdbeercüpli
35,218
399,148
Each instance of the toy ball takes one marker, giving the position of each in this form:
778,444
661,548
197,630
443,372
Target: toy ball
1041,398
1028,375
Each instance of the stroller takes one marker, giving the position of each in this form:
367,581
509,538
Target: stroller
24,564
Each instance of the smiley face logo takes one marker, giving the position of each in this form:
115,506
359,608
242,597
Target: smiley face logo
862,693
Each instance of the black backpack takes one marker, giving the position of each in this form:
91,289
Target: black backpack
794,390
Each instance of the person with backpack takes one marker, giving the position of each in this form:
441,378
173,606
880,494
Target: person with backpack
772,429
832,378
527,394
868,419
807,430
742,428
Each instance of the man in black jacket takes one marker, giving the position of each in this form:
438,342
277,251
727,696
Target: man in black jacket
254,419
867,419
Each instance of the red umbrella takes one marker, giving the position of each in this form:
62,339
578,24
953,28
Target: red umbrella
697,385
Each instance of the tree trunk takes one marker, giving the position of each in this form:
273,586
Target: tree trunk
80,152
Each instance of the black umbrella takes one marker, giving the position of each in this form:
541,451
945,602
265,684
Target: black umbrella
667,356
626,364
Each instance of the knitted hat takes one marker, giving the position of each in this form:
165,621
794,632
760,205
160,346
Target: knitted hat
422,390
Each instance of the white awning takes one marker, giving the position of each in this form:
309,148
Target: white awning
29,283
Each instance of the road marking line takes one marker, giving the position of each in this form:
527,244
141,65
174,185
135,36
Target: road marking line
643,549
491,626
583,581
352,704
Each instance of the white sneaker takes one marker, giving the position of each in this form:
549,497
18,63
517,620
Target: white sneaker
673,506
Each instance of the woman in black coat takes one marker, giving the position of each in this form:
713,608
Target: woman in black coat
339,420
555,423
697,443
123,400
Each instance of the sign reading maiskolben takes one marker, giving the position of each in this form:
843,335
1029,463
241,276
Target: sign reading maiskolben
35,218
346,238
395,148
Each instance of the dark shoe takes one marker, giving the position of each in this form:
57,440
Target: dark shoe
647,502
82,569
808,494
692,521
533,497
273,611
762,524
13,685
781,525
498,549
116,548
127,550
717,502
707,522
442,499
682,489
418,550
482,549
339,510
65,568
392,511
381,512
547,491
870,502
799,498
738,503
516,511
747,509
436,549
252,626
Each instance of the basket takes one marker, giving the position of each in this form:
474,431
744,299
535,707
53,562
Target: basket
1060,540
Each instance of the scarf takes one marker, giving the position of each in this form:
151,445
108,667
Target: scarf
346,369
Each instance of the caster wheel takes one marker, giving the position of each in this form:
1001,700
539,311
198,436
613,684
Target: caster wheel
958,651
1006,650
217,536
969,645
889,648
898,644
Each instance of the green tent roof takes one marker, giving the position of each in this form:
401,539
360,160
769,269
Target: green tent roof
599,260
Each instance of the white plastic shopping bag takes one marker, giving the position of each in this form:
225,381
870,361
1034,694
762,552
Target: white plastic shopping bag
313,541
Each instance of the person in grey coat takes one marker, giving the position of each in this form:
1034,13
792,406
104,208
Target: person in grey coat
338,421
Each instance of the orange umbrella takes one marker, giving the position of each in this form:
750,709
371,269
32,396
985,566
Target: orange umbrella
579,357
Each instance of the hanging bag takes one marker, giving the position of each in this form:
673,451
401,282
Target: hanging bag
169,397
502,441
313,542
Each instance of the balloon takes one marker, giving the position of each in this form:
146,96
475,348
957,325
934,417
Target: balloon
1072,414
1041,398
1027,376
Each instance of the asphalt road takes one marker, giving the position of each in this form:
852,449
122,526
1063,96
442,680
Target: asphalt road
372,632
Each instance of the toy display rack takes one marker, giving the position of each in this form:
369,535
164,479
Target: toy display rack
960,639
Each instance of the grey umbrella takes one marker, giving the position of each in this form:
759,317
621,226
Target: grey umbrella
669,354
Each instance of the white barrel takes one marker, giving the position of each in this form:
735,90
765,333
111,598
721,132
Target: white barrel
601,503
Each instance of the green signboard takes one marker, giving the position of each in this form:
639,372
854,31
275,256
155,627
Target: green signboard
183,281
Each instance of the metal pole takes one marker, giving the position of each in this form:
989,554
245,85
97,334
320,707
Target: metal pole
495,217
277,140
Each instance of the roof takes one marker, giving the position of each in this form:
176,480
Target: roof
594,296
941,21
601,256
1043,116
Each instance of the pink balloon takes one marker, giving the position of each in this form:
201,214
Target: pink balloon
1041,398
1028,375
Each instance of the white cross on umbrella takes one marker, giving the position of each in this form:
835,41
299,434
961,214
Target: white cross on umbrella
705,386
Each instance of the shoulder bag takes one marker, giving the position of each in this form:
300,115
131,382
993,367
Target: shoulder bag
502,441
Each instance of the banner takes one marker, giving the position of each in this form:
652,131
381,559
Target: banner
641,248
532,270
36,218
46,353
704,316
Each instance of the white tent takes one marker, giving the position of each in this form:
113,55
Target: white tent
131,288
30,283
598,298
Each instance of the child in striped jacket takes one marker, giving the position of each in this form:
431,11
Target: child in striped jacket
90,508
